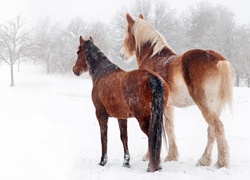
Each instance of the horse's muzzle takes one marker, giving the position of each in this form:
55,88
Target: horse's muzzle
76,71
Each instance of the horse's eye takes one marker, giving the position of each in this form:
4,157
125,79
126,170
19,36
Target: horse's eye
78,51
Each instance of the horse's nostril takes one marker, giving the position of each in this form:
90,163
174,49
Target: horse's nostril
76,71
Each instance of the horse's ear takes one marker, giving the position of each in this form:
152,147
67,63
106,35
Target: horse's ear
91,39
140,16
81,40
130,20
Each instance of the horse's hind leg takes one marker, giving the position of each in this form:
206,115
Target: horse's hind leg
144,127
206,158
215,131
169,128
124,139
208,100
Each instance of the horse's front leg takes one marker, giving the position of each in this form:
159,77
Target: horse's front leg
124,139
103,123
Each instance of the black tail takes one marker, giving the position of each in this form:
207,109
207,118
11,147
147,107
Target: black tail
156,123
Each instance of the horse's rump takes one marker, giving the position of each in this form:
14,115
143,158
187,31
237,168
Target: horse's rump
209,77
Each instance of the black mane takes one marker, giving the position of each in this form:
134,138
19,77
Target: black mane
99,64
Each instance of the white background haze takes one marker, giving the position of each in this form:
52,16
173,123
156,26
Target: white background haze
92,10
48,128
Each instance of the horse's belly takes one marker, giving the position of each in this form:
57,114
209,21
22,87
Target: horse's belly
118,109
120,113
179,95
180,100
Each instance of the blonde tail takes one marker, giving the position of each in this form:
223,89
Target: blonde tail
227,80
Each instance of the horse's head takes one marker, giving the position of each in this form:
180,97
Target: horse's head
142,40
81,62
129,45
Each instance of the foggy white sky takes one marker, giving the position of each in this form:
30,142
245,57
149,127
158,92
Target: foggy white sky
64,10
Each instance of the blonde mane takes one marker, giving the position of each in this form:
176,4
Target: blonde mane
144,33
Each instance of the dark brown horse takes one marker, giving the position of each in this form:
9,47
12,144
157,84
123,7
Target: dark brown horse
116,93
201,77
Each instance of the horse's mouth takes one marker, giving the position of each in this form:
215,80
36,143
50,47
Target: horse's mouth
77,71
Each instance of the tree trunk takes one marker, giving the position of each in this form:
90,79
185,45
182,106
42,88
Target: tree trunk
48,67
237,80
12,75
18,65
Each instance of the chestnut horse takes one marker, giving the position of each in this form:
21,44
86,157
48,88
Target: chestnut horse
201,77
116,93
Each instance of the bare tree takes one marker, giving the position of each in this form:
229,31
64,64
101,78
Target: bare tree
15,42
165,20
199,20
77,27
214,27
47,44
241,54
142,6
210,26
64,51
101,35
69,41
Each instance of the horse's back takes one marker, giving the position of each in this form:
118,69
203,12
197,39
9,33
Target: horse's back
125,94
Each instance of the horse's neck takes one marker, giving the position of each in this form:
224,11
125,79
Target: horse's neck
145,53
100,66
166,52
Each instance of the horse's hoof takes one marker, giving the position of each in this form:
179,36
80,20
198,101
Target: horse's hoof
221,165
204,161
127,165
171,158
103,161
158,169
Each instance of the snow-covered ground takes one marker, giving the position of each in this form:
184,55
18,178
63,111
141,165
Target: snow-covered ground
48,131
